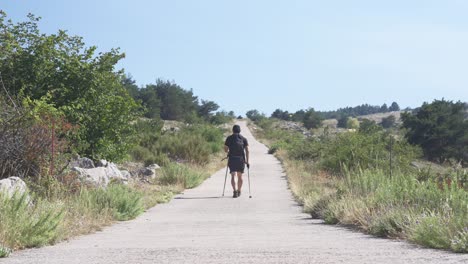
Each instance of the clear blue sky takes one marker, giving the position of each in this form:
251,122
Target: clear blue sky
266,54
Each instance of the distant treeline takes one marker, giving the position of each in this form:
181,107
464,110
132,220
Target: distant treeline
169,101
313,119
364,109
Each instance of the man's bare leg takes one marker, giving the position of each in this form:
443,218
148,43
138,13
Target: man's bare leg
233,181
239,182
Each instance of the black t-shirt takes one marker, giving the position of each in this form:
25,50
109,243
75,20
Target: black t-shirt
236,144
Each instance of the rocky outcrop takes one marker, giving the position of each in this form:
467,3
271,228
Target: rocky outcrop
295,126
106,172
149,172
95,176
12,185
103,175
102,163
84,163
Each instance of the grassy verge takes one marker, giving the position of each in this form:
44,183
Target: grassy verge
39,221
54,211
335,179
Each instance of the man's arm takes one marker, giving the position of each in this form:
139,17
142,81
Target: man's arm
226,149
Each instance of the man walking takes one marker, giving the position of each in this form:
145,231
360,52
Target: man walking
237,148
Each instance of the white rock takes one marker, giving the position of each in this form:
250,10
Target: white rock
102,163
150,171
126,175
101,176
112,171
11,185
154,167
84,162
95,176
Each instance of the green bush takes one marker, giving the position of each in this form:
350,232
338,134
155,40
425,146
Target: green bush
4,251
174,174
28,224
354,151
82,84
424,207
193,144
460,242
124,202
389,222
432,230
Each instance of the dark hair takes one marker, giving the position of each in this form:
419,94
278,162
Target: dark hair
236,129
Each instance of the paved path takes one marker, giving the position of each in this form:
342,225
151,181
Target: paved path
199,226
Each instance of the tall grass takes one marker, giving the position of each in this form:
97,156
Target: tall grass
194,144
123,202
346,179
25,223
37,222
180,174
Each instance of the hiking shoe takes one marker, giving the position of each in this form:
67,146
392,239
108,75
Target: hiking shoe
234,195
238,193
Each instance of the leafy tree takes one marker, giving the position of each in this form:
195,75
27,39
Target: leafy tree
176,103
352,123
388,122
384,108
298,116
206,108
221,117
368,126
130,85
312,119
280,114
78,82
440,128
150,100
343,122
254,115
394,107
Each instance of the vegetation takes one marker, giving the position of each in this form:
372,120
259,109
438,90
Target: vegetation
59,98
60,70
345,116
311,119
440,128
255,115
388,122
364,109
342,113
364,179
194,143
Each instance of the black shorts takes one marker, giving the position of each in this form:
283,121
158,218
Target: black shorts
236,164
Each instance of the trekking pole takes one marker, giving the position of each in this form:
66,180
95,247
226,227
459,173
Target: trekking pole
225,178
248,177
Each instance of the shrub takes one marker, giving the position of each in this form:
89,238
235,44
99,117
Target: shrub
124,202
32,136
179,174
431,230
388,122
193,144
440,129
366,150
389,222
80,83
24,225
4,251
460,242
